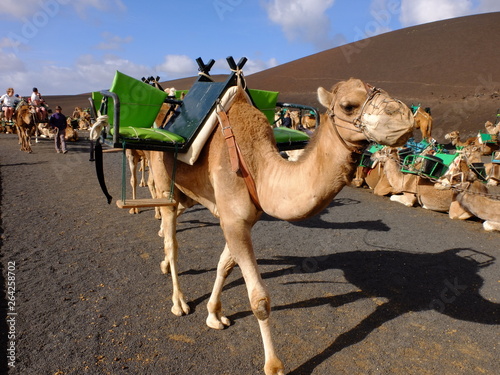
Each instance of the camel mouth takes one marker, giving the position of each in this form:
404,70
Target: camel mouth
387,121
387,131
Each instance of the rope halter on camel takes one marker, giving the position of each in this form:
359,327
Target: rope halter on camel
99,125
377,103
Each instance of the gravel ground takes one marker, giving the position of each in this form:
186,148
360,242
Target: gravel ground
366,287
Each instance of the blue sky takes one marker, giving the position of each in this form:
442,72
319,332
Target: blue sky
75,46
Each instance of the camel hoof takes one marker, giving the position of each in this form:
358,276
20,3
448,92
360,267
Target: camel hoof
182,309
217,323
274,367
134,210
490,226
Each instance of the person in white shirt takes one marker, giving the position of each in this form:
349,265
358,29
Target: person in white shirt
39,103
9,103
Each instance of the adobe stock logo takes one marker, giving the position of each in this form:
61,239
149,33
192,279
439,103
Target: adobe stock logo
223,6
31,26
381,20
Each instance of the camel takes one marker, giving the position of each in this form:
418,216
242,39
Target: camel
423,121
486,148
475,199
454,137
25,123
46,130
286,190
83,118
410,188
492,173
492,128
71,134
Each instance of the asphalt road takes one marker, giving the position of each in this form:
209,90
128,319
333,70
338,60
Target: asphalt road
366,287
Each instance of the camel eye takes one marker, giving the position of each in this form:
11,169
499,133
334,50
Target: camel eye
348,107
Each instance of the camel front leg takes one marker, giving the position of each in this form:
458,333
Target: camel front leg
215,318
168,228
239,243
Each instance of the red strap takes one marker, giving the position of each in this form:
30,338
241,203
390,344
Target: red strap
237,162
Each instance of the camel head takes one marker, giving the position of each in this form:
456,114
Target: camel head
454,136
370,113
24,114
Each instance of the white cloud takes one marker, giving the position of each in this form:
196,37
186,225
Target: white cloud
29,8
177,66
304,20
9,62
113,42
86,75
415,12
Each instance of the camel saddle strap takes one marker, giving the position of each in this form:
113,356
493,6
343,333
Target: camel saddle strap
237,162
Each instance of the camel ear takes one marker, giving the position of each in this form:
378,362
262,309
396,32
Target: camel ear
325,97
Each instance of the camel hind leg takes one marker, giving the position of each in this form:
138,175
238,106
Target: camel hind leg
133,159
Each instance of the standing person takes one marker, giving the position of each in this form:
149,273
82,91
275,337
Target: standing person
58,122
39,103
9,103
287,121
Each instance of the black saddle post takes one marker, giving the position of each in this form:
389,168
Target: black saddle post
235,66
205,68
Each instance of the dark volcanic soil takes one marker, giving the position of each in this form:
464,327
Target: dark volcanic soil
366,287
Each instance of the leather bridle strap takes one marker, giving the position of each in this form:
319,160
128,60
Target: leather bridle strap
352,149
237,162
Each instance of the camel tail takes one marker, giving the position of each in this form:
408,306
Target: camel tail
100,170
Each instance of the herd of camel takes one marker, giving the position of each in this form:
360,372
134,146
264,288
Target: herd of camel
27,125
464,189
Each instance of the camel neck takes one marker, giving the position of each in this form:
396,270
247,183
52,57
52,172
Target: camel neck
298,190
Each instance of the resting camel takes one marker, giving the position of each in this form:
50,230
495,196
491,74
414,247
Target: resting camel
25,124
71,134
454,137
423,121
289,191
475,199
486,148
492,128
410,188
83,118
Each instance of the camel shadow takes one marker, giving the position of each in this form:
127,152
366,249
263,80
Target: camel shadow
317,222
22,164
447,282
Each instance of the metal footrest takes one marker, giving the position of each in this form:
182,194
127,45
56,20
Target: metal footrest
136,203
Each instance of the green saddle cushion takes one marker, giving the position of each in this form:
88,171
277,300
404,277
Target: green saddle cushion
286,135
265,101
139,102
446,158
487,138
150,134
